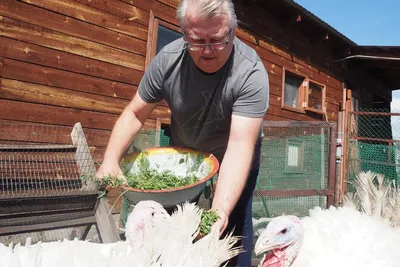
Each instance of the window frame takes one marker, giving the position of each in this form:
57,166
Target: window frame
152,36
304,93
301,92
307,94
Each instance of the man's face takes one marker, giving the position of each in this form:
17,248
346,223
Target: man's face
208,31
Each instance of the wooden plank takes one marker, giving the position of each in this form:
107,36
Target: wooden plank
278,111
293,66
294,193
95,16
39,113
292,39
277,56
171,3
1,69
120,9
70,26
10,230
22,71
46,205
161,11
36,54
105,223
21,155
35,174
83,156
36,147
52,39
29,92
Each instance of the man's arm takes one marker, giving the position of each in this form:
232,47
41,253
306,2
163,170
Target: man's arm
235,166
125,130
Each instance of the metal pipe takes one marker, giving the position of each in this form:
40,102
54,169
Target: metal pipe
368,57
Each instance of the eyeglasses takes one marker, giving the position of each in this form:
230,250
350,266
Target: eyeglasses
213,46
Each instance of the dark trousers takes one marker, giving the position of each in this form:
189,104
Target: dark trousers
241,221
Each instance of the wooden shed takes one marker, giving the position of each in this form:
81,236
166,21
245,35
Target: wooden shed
68,61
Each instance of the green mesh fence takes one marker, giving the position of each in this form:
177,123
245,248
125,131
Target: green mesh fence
373,144
295,156
295,162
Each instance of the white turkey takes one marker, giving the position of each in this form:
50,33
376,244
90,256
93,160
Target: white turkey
360,233
375,195
154,239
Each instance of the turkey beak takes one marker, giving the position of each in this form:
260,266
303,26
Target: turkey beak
263,245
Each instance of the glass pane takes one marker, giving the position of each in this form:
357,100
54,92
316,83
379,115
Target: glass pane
165,36
292,84
293,156
315,96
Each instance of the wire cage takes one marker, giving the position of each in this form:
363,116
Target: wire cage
297,168
45,176
297,171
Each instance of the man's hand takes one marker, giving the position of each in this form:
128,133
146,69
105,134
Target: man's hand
222,221
109,168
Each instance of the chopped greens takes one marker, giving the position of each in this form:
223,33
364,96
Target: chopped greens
150,179
155,180
208,218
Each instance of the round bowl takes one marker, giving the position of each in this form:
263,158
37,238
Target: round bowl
181,162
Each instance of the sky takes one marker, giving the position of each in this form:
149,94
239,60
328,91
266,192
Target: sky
365,22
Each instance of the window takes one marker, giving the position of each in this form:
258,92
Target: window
160,34
165,36
294,156
315,96
293,90
302,94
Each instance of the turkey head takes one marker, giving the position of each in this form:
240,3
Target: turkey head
280,241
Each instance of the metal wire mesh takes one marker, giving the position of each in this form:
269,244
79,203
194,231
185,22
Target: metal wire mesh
45,178
44,171
297,171
373,143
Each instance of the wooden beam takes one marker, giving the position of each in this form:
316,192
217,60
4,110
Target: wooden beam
320,38
10,230
294,193
37,147
83,158
105,223
290,21
1,70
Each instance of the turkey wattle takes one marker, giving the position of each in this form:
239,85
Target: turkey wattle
154,239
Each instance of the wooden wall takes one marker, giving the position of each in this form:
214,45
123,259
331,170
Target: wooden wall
63,61
68,61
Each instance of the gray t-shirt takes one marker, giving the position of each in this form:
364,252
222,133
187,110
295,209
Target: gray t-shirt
201,104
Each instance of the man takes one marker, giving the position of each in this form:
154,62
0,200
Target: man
217,90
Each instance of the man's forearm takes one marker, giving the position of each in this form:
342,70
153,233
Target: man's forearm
125,130
232,177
